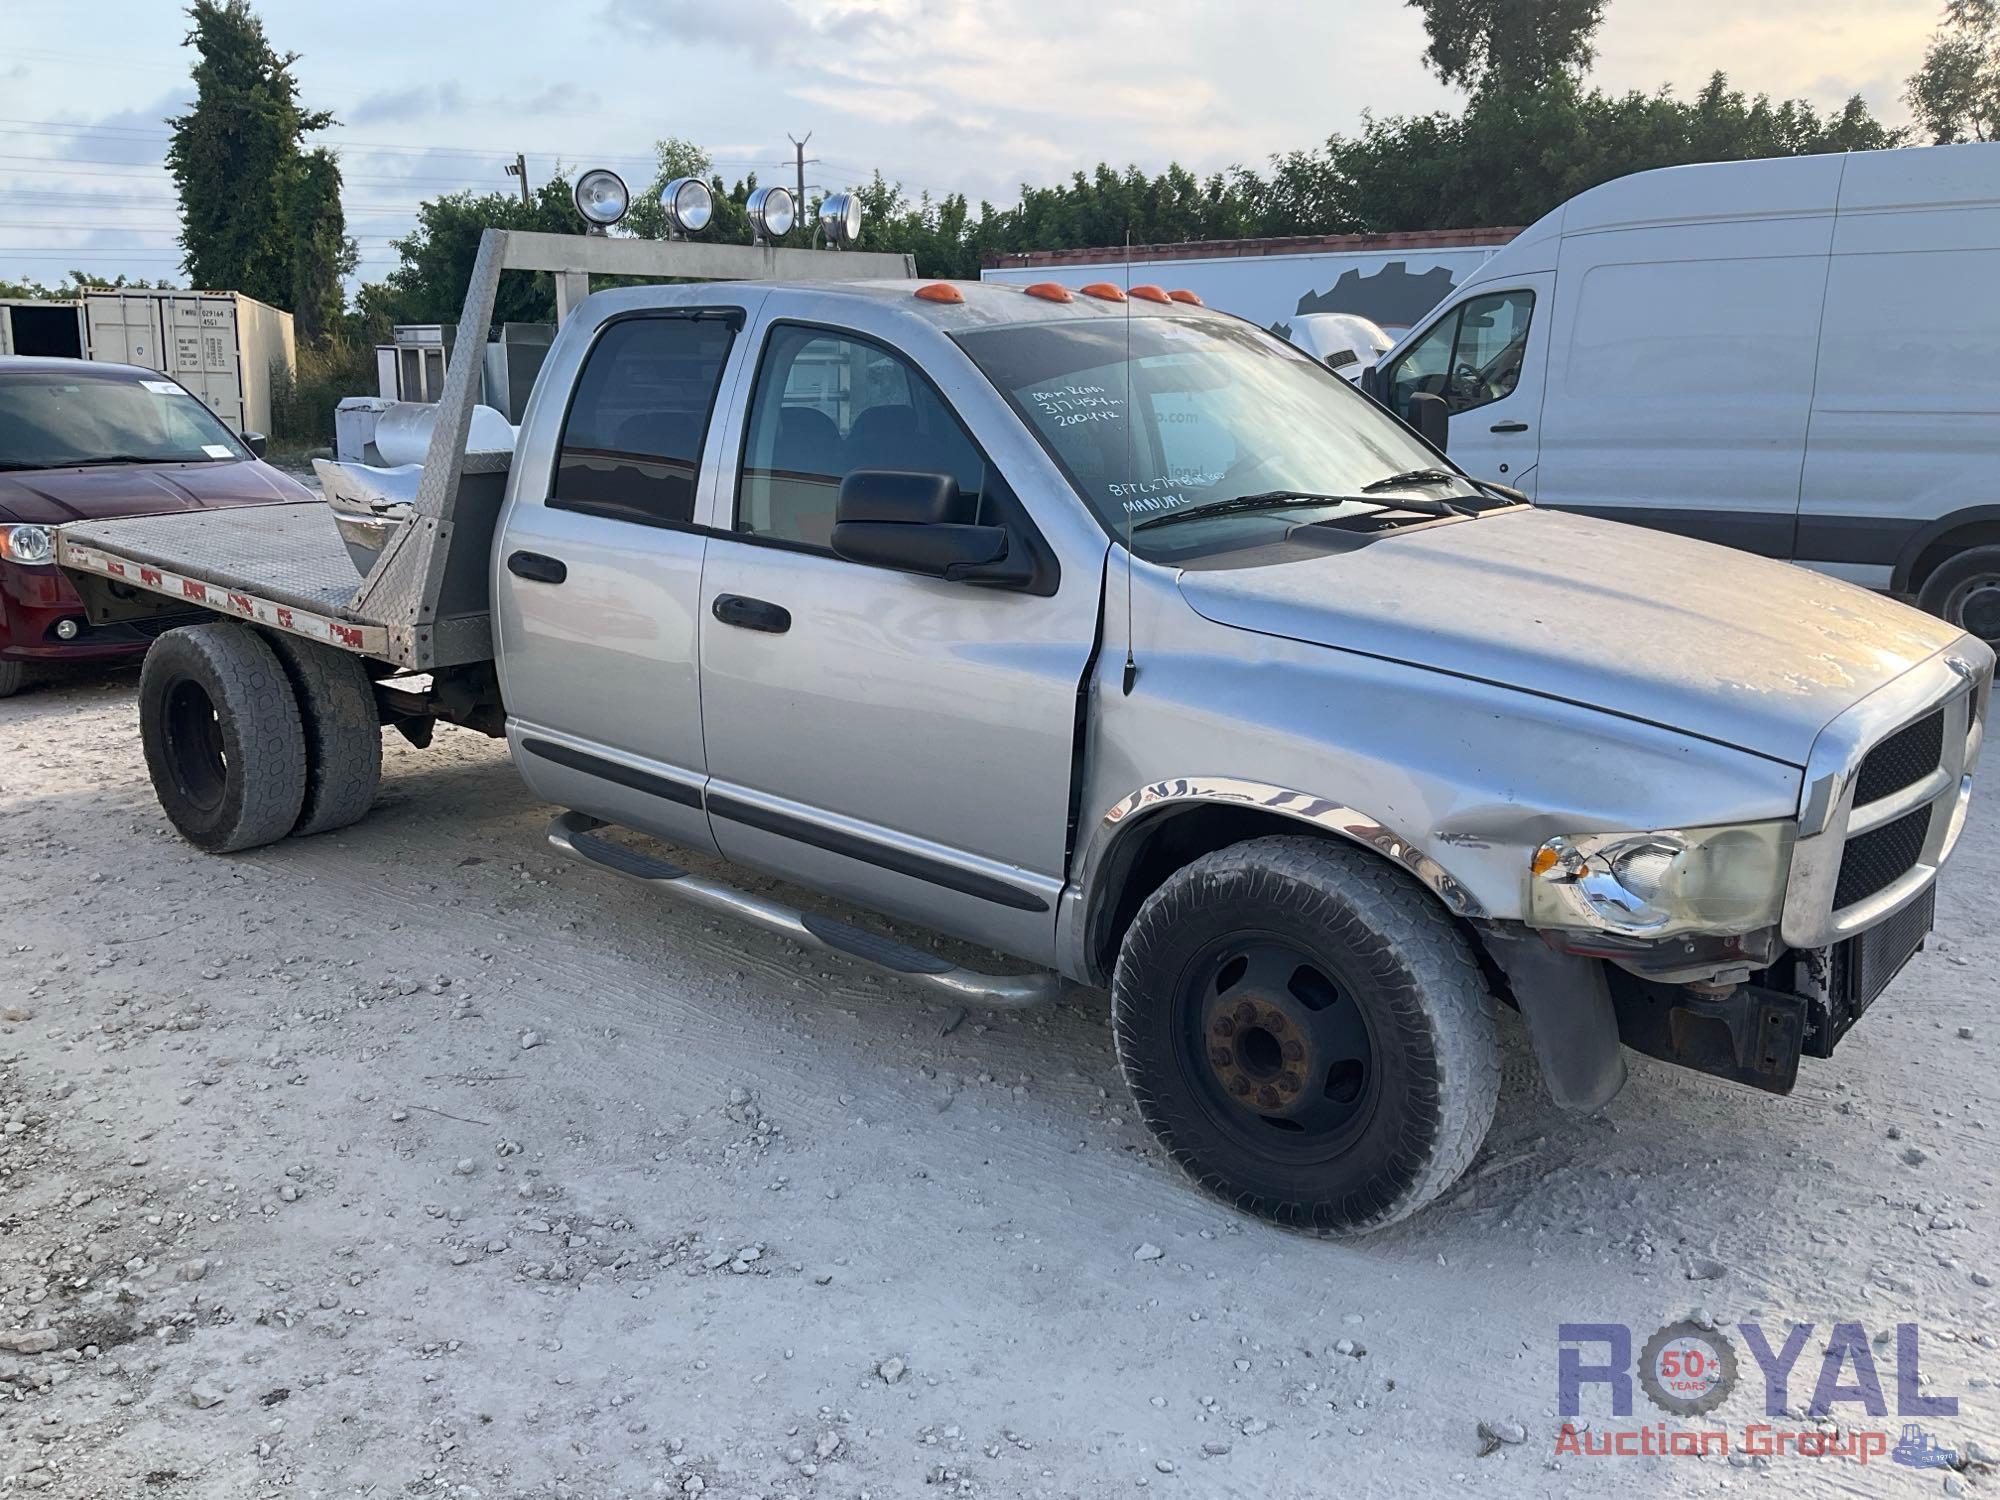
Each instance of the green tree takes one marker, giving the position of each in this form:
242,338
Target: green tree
1513,155
1955,95
1509,43
237,161
428,285
321,250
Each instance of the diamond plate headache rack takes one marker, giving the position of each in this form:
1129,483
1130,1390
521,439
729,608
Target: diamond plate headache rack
369,640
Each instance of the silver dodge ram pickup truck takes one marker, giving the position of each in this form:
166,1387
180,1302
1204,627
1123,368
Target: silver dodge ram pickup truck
1109,632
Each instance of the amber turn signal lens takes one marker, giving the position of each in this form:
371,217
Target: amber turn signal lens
940,291
1105,290
1182,294
1151,294
1050,291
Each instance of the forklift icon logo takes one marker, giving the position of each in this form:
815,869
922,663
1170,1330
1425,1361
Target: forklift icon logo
1917,1449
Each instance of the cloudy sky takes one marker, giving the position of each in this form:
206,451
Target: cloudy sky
970,95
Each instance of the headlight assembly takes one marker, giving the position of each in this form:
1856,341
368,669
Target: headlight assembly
27,544
1723,881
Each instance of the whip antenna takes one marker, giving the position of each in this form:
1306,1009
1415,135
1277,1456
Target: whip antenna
1131,666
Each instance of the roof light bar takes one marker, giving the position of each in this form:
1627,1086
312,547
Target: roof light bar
772,213
689,204
601,198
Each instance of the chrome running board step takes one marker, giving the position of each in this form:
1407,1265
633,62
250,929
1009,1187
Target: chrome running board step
575,834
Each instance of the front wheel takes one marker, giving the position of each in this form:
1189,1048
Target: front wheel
1964,590
1307,1033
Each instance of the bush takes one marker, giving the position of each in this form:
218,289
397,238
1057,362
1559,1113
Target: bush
302,404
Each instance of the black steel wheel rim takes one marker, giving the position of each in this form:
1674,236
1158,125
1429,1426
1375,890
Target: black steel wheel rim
194,745
1277,1049
1975,606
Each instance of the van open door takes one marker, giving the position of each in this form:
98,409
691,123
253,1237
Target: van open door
1485,353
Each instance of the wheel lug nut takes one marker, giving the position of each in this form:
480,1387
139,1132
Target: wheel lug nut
1289,1082
1222,1057
1267,1095
1294,1050
1274,1022
1239,1085
1245,1011
1225,1026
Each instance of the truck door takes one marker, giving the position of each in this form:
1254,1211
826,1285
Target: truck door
598,569
1485,354
901,740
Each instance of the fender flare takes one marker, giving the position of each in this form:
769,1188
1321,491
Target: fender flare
1933,531
1144,806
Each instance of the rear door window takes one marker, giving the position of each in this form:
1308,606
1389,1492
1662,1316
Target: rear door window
631,444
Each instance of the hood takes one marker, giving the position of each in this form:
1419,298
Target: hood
51,497
1734,648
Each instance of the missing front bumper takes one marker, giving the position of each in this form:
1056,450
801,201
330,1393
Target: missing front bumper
1756,1033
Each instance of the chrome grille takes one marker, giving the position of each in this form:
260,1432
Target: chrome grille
1885,794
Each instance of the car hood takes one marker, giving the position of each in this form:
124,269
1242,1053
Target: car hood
1693,637
50,497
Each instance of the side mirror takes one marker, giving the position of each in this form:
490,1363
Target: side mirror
255,442
921,523
1431,416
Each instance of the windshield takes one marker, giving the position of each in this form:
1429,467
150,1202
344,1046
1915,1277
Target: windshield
1222,411
51,419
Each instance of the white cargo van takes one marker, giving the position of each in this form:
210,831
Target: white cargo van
1798,357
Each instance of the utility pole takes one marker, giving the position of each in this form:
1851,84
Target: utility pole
799,151
518,167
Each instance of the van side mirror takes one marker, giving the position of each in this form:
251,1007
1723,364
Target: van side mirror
922,523
1431,416
1371,382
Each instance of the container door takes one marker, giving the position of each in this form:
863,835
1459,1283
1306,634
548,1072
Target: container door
205,354
125,329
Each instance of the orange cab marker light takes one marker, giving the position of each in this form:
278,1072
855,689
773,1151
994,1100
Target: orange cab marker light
1050,291
940,291
1151,294
1105,290
1181,294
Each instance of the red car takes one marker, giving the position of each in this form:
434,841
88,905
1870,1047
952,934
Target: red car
81,440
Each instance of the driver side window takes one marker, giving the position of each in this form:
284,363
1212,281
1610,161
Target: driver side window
1470,356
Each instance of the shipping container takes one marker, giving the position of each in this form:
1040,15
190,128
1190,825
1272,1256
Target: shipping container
30,325
223,346
1391,279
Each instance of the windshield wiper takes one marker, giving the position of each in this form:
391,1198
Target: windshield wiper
1281,499
1266,500
1411,477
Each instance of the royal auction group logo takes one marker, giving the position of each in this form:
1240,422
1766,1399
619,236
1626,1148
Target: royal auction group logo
1690,1369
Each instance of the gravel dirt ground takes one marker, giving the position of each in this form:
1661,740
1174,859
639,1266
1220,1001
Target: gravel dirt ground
414,1160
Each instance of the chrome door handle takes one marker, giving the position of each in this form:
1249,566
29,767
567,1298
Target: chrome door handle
752,614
